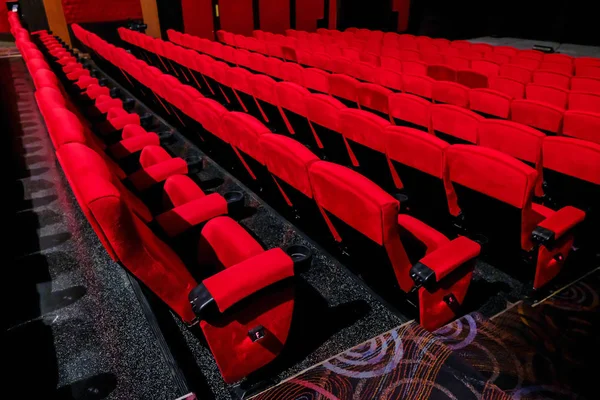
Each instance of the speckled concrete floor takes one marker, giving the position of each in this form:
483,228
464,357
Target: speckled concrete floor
75,327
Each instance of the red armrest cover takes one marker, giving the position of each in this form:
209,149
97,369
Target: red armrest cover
105,105
75,75
146,177
430,237
180,219
119,122
450,256
248,277
134,144
87,82
563,220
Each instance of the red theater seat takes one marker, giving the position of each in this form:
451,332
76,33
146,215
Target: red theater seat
418,85
390,79
511,87
490,103
417,163
560,68
525,62
441,73
517,140
494,191
374,98
547,94
455,124
363,132
487,68
540,115
414,68
551,78
344,88
410,110
516,72
316,79
582,125
288,161
290,101
243,132
572,175
324,117
580,84
368,220
584,101
472,79
450,93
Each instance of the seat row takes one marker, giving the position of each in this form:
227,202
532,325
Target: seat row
391,43
461,57
261,152
537,111
141,202
364,143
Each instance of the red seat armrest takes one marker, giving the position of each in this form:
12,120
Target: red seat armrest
133,144
239,281
180,219
120,121
147,177
558,224
449,257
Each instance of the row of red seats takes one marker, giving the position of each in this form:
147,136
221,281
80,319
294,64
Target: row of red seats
323,183
544,108
234,266
460,55
365,134
402,46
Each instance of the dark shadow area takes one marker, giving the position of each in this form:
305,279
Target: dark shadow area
93,388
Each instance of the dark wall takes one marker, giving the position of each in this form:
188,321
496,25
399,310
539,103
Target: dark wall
567,21
169,15
34,13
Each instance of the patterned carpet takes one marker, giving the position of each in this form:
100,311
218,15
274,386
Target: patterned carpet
528,352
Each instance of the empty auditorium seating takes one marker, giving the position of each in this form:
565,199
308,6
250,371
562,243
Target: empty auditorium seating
538,114
493,193
455,124
410,110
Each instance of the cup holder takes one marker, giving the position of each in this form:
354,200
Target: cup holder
128,104
301,255
115,92
166,137
235,202
403,199
104,82
194,164
147,121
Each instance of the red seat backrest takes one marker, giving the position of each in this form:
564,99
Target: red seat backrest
491,102
551,78
290,96
363,127
582,125
538,114
243,131
324,110
516,72
547,94
450,93
288,160
511,87
517,140
580,84
418,84
584,101
343,86
456,121
374,97
410,108
574,157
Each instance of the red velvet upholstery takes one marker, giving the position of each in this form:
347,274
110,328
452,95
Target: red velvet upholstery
472,79
324,110
455,121
490,102
506,179
582,84
516,72
582,125
486,67
316,79
157,165
118,118
537,114
518,140
409,108
288,160
577,158
364,128
390,79
374,97
419,85
243,132
344,87
208,113
584,101
551,78
374,213
450,93
441,73
547,94
511,87
290,96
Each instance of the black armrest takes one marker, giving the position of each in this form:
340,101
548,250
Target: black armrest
422,275
543,236
203,303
